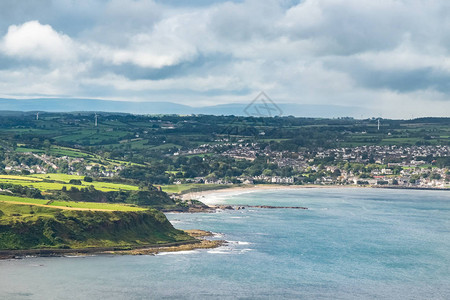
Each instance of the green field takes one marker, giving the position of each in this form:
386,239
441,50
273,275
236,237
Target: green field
191,187
62,151
57,176
71,204
61,180
24,149
18,177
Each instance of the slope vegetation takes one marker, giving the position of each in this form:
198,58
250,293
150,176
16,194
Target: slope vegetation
35,227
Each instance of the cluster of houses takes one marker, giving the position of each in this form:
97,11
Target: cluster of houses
405,155
411,170
405,166
74,166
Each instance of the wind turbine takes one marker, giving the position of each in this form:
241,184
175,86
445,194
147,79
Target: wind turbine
96,117
37,116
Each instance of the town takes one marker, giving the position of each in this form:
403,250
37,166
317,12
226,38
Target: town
396,166
412,166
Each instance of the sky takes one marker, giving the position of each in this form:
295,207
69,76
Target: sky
390,57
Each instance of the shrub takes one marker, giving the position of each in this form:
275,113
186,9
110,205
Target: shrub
75,181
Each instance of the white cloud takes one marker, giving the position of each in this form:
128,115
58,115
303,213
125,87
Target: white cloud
33,40
317,51
160,48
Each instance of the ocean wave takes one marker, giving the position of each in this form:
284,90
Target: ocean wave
77,256
246,250
229,250
238,243
218,251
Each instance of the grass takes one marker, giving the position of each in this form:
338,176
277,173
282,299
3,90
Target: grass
6,198
191,187
24,149
70,204
43,186
25,227
16,212
58,176
18,177
199,155
97,206
60,151
165,146
56,151
178,188
37,181
92,136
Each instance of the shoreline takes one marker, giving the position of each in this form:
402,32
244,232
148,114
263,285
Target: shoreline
200,243
197,195
256,187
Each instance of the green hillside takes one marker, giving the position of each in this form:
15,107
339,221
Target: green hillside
36,227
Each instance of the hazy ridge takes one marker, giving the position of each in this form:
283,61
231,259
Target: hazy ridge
79,104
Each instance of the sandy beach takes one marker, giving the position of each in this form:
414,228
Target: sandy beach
210,197
204,195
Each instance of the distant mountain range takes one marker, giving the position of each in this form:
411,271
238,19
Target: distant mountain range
238,109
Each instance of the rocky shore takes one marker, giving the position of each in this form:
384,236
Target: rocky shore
199,243
215,208
239,207
200,235
277,207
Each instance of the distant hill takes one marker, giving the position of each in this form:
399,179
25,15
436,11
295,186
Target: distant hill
71,105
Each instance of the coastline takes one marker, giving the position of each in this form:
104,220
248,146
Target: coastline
199,195
200,243
200,235
258,187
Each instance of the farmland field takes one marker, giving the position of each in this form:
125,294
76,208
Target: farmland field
37,181
71,204
191,187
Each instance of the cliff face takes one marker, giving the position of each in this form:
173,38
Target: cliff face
31,227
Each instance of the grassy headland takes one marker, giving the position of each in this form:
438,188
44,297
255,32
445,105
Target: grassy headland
70,204
25,226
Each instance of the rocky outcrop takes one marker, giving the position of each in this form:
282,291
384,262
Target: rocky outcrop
277,207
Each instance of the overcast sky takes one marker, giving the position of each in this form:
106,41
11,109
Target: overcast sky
390,56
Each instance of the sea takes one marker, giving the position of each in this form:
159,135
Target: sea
351,243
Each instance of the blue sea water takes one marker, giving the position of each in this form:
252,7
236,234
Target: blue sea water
349,244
